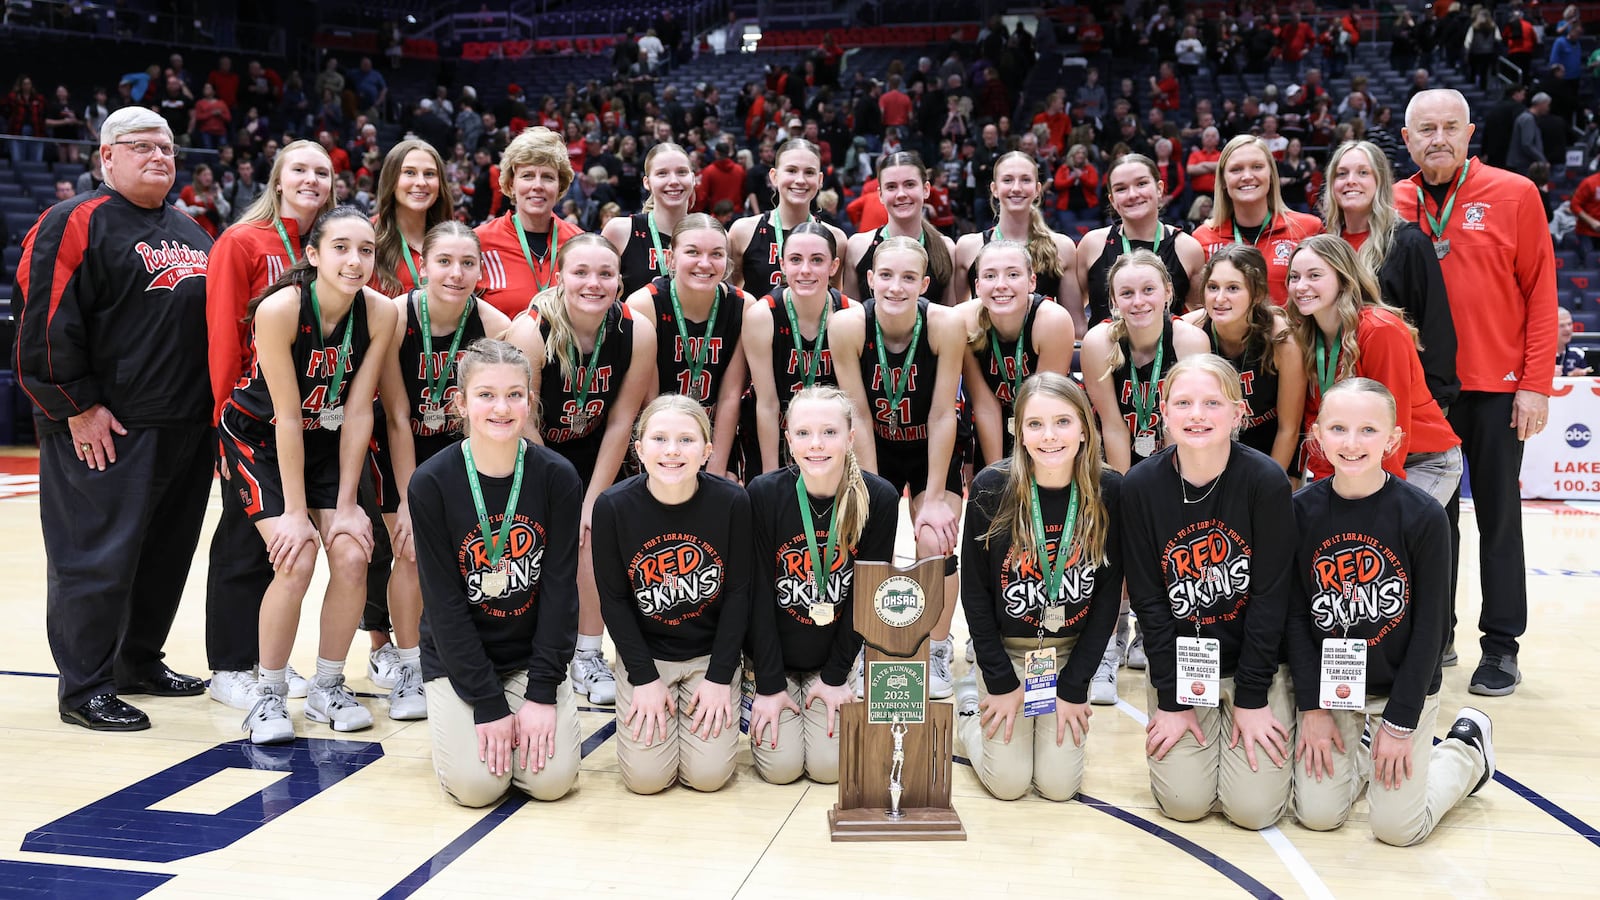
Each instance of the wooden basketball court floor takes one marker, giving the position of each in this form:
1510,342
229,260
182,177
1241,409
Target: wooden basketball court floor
188,809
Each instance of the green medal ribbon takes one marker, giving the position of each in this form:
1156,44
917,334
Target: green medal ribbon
497,542
697,361
337,381
1000,361
819,574
892,390
815,361
587,380
437,381
288,246
777,229
655,240
417,281
555,246
1328,366
922,237
1053,571
1144,404
1238,238
1156,246
1437,226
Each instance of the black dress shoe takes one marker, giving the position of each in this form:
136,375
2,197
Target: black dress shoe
106,712
165,683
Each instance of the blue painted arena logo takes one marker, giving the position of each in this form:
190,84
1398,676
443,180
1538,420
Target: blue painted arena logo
1578,435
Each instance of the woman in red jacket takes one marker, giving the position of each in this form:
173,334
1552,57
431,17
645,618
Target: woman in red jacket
1345,329
1249,209
1077,190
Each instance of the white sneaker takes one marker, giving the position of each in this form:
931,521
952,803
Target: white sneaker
940,682
1103,687
332,703
298,685
592,676
408,701
234,688
268,720
967,696
383,666
1136,657
971,655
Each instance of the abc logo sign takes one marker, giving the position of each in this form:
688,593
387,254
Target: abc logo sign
1578,435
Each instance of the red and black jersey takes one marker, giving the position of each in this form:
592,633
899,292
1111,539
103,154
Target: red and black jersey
673,363
1150,382
315,358
558,394
641,264
937,288
906,422
1260,390
789,366
762,270
1017,367
416,371
111,310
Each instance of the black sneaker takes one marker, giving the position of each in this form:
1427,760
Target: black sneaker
1473,728
1496,676
1449,657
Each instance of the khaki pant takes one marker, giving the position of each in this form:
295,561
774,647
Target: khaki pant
1442,775
804,745
1032,758
455,747
705,765
1194,781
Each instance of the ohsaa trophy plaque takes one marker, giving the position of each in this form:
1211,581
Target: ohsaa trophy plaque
894,748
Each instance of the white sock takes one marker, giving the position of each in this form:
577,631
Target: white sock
589,643
274,676
329,669
410,656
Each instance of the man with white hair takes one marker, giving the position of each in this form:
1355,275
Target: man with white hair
1489,232
111,348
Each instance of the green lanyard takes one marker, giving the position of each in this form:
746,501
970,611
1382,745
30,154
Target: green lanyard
437,381
819,573
586,381
1053,571
417,281
288,246
815,360
1437,225
522,238
655,240
1328,368
697,360
896,391
1144,402
1155,247
1265,228
1000,360
883,235
497,542
344,346
777,230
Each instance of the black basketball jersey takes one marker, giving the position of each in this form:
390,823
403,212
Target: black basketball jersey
315,359
1151,384
673,363
937,288
561,420
907,421
1260,396
416,371
1045,288
762,272
789,366
1019,360
1100,292
640,261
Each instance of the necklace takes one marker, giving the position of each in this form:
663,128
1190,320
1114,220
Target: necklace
1183,486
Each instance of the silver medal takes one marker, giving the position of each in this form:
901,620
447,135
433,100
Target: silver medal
434,419
580,422
1144,443
494,584
1441,249
331,417
822,613
1055,617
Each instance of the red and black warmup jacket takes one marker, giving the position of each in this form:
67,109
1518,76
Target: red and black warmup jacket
112,311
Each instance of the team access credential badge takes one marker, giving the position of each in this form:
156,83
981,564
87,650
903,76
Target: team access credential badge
899,601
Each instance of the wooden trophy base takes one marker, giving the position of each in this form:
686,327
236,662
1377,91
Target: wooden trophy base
919,823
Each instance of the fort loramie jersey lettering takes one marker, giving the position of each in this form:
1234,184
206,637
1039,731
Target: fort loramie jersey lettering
672,362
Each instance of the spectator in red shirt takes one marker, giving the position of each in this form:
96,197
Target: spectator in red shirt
202,199
1056,119
211,118
895,105
1077,184
866,212
1295,39
941,212
1165,94
1586,207
25,109
225,81
1202,164
721,179
341,159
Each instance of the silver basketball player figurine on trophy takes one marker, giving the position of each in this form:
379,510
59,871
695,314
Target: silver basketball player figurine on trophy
897,764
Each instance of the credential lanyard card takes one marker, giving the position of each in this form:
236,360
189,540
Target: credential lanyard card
1039,682
1199,671
1344,674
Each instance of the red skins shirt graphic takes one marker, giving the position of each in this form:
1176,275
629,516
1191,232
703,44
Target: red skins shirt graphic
1023,588
676,577
1359,586
1207,568
794,587
522,561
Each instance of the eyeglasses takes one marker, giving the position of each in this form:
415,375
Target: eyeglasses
148,148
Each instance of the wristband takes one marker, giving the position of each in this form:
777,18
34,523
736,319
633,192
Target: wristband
1396,731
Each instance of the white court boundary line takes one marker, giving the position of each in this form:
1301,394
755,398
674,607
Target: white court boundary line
1288,853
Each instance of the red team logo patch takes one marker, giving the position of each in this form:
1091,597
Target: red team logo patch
170,263
675,577
522,562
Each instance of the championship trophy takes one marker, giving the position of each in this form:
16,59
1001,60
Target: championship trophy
894,748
